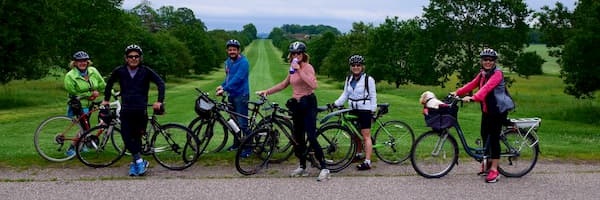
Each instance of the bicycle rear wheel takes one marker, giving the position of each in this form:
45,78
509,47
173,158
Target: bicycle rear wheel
255,151
393,142
54,136
337,145
519,154
175,147
434,154
100,146
213,136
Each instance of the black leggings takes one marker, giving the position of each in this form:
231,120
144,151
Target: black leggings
133,125
305,121
491,125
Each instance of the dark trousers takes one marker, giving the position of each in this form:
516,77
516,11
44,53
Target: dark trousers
133,126
305,126
240,105
491,126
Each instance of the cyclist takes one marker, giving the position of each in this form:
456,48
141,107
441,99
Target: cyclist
359,90
134,79
495,104
303,105
236,85
85,82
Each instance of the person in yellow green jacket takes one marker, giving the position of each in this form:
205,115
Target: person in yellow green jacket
83,80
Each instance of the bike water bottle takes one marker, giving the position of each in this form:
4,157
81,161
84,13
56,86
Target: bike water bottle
294,61
233,125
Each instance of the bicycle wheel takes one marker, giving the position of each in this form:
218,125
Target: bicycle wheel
98,146
434,154
54,136
198,126
338,146
282,139
212,134
255,151
393,141
175,147
518,155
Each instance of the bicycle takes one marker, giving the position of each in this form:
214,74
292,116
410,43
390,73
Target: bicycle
211,121
435,152
396,137
172,145
56,131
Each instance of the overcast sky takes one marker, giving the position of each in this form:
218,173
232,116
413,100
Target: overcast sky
267,14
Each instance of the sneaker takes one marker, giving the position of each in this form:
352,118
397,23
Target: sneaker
132,169
246,153
142,167
299,172
323,175
484,172
363,166
492,176
358,157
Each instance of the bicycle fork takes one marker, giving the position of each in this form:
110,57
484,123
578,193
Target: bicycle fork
437,149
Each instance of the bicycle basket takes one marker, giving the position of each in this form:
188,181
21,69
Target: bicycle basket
441,118
203,106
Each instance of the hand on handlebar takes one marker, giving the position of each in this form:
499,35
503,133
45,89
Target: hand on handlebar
261,93
467,99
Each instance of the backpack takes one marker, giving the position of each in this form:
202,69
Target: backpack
348,78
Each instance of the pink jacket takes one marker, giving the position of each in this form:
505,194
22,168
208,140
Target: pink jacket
304,82
485,88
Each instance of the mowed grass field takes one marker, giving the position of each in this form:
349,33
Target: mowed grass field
569,130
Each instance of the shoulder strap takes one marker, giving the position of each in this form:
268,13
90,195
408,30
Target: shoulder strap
367,85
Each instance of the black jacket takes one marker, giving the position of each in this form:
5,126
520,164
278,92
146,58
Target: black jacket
134,91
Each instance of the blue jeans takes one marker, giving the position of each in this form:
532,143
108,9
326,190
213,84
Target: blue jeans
240,105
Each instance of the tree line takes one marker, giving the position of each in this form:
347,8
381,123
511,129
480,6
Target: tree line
447,38
38,38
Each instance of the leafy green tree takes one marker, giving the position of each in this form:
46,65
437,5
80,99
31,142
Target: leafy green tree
462,28
335,65
250,31
319,48
529,63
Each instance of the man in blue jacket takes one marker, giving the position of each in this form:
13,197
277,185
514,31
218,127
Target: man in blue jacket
236,85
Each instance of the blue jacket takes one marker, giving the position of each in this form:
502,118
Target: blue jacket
134,91
236,80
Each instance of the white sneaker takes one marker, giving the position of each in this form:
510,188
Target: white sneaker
299,172
324,175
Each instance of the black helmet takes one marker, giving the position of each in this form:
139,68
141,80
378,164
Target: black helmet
487,52
356,59
297,47
133,47
81,55
233,43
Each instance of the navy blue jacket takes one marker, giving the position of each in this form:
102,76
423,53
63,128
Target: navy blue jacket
134,91
236,81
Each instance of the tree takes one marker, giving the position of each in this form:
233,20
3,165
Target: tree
319,48
460,29
529,63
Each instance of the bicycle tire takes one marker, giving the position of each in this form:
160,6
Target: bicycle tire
282,138
48,141
93,150
519,154
428,164
260,144
393,142
175,147
337,145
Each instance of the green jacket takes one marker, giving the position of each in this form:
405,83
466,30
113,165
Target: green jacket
76,85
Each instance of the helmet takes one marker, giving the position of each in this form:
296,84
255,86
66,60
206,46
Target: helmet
234,43
487,52
356,59
297,47
133,47
81,55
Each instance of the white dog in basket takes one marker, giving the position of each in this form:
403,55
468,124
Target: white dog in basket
429,100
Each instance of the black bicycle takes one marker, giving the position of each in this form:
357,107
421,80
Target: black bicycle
435,152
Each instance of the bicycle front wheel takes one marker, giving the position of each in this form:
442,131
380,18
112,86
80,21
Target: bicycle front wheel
175,147
255,151
282,138
100,146
434,154
54,136
519,154
393,141
337,145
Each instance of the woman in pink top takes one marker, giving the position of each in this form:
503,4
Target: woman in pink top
495,104
303,105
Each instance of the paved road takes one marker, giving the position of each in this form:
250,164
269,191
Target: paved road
549,180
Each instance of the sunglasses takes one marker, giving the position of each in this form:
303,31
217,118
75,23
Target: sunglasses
489,59
356,65
296,53
133,56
